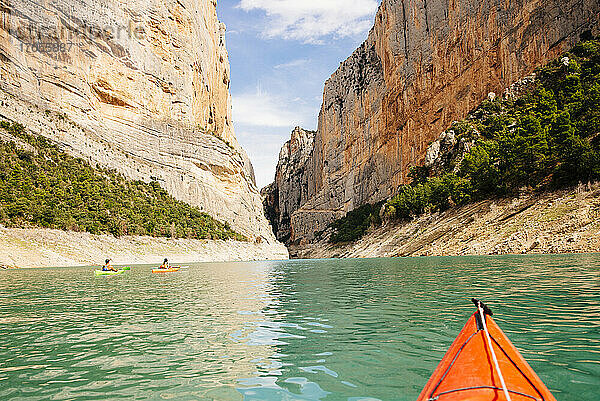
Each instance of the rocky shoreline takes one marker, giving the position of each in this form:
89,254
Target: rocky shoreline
564,221
34,247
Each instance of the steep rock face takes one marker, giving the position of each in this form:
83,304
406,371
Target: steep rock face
424,65
289,190
140,86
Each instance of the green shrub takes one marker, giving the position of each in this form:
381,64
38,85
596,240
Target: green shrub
464,129
355,224
479,170
418,174
436,194
549,136
48,188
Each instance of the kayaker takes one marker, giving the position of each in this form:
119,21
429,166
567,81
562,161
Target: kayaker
108,266
165,265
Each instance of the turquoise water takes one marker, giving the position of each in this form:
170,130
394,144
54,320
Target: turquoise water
298,330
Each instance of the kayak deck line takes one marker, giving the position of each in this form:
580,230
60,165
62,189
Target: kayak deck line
437,397
482,312
467,370
482,387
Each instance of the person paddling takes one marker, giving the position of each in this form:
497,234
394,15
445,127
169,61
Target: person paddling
108,266
165,265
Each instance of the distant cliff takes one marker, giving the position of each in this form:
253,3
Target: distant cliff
289,190
138,86
424,65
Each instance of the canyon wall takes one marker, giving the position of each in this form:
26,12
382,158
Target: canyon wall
288,192
141,87
423,65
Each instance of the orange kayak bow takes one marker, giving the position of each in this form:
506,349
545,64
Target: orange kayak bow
469,370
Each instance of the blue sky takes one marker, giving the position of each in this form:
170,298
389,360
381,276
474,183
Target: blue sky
281,53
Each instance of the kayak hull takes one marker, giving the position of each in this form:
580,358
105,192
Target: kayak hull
170,270
108,273
467,372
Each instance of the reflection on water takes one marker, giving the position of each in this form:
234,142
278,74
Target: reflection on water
299,330
76,336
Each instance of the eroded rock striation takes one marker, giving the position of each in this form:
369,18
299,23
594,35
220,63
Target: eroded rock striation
564,221
424,65
140,86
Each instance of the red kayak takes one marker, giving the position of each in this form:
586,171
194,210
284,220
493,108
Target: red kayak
471,371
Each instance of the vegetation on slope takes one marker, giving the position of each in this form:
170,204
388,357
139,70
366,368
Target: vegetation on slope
354,225
48,188
548,137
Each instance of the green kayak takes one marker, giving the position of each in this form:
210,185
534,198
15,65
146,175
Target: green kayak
108,273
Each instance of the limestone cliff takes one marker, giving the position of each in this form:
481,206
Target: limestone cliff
140,86
424,65
289,190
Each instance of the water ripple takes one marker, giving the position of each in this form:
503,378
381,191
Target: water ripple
299,330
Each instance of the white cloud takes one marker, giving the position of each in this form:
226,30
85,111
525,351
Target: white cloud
292,64
265,110
312,20
263,122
